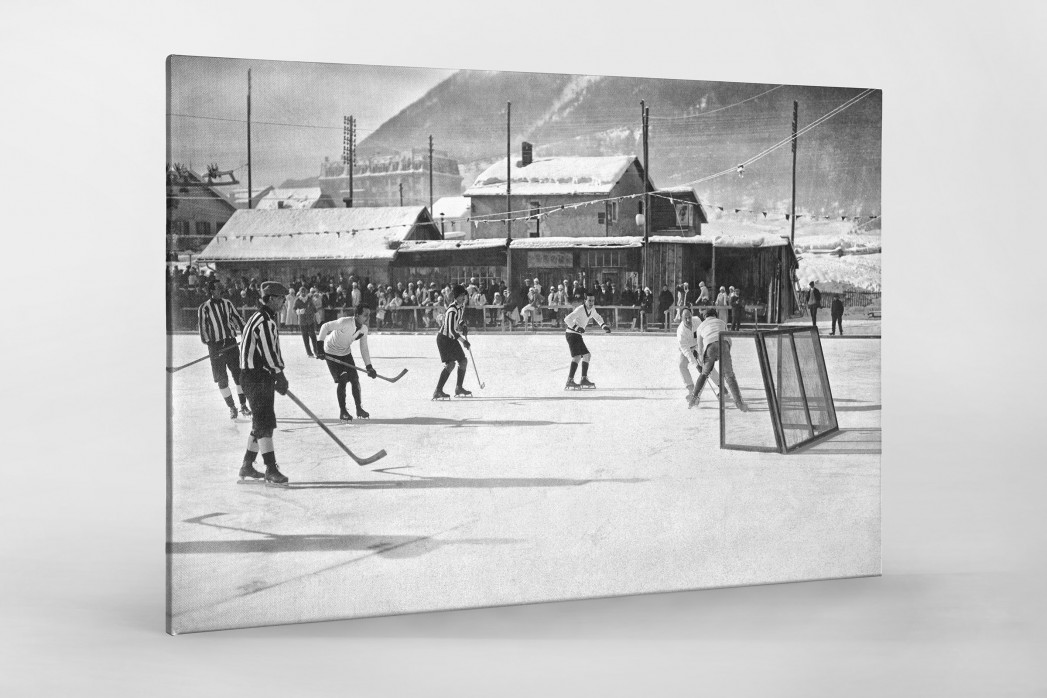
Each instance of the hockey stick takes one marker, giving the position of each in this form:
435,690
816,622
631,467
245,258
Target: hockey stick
473,362
359,461
172,369
397,377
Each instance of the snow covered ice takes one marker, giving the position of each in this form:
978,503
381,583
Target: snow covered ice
523,493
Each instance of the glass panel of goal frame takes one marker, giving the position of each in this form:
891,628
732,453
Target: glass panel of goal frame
783,379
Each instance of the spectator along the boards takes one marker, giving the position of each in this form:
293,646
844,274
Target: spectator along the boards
219,325
665,303
334,344
836,312
262,373
737,309
687,340
452,331
713,348
575,324
303,308
721,297
814,301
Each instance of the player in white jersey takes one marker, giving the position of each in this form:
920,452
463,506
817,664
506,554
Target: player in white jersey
334,343
687,338
576,322
713,348
453,330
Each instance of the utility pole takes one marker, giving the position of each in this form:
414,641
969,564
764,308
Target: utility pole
508,196
352,156
401,193
646,113
250,193
430,174
792,206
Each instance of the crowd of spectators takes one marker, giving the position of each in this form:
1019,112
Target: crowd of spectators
418,304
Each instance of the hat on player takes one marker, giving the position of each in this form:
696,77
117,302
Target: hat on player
273,288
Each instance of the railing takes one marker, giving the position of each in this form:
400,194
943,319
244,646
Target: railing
851,299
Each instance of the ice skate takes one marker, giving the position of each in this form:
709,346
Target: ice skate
692,400
273,476
362,413
462,392
345,416
587,384
249,474
440,395
244,410
571,385
233,414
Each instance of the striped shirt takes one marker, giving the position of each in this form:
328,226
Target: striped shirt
581,316
452,322
219,321
261,345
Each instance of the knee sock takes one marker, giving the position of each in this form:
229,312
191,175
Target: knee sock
252,451
340,392
356,392
574,367
269,458
240,394
444,375
227,395
585,369
461,376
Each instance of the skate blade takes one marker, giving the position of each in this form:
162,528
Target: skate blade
250,481
269,483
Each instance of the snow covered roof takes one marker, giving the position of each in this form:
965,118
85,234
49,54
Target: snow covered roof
545,176
569,242
299,197
451,207
325,233
443,245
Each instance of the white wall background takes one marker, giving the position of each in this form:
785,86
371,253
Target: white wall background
961,608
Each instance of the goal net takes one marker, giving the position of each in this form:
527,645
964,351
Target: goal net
782,378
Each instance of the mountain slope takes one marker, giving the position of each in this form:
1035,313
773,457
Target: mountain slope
697,128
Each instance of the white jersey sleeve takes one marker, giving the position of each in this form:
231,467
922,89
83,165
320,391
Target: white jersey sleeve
687,337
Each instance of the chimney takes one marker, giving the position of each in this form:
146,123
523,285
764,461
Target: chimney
526,153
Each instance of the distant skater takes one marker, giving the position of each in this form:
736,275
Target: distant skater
814,301
712,349
452,331
576,322
687,338
335,341
836,312
219,325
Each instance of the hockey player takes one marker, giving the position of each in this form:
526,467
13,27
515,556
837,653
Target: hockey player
712,349
576,322
334,342
262,370
453,330
219,325
687,338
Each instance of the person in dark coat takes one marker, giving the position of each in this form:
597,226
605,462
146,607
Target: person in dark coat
836,312
665,301
814,301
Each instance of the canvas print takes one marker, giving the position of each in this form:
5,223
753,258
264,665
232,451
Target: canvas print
442,339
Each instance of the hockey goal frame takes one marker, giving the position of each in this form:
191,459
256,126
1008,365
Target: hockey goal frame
772,387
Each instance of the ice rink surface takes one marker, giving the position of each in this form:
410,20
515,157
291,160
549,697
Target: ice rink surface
522,493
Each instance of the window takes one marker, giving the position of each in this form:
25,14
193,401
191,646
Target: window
601,218
203,228
612,211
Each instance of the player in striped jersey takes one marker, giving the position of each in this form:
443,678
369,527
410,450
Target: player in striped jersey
335,342
262,371
453,330
219,325
576,323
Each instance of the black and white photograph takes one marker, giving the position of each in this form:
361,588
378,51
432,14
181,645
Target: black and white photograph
514,337
625,350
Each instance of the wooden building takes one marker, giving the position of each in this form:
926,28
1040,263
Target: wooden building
292,243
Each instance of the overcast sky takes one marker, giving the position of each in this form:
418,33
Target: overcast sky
296,111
